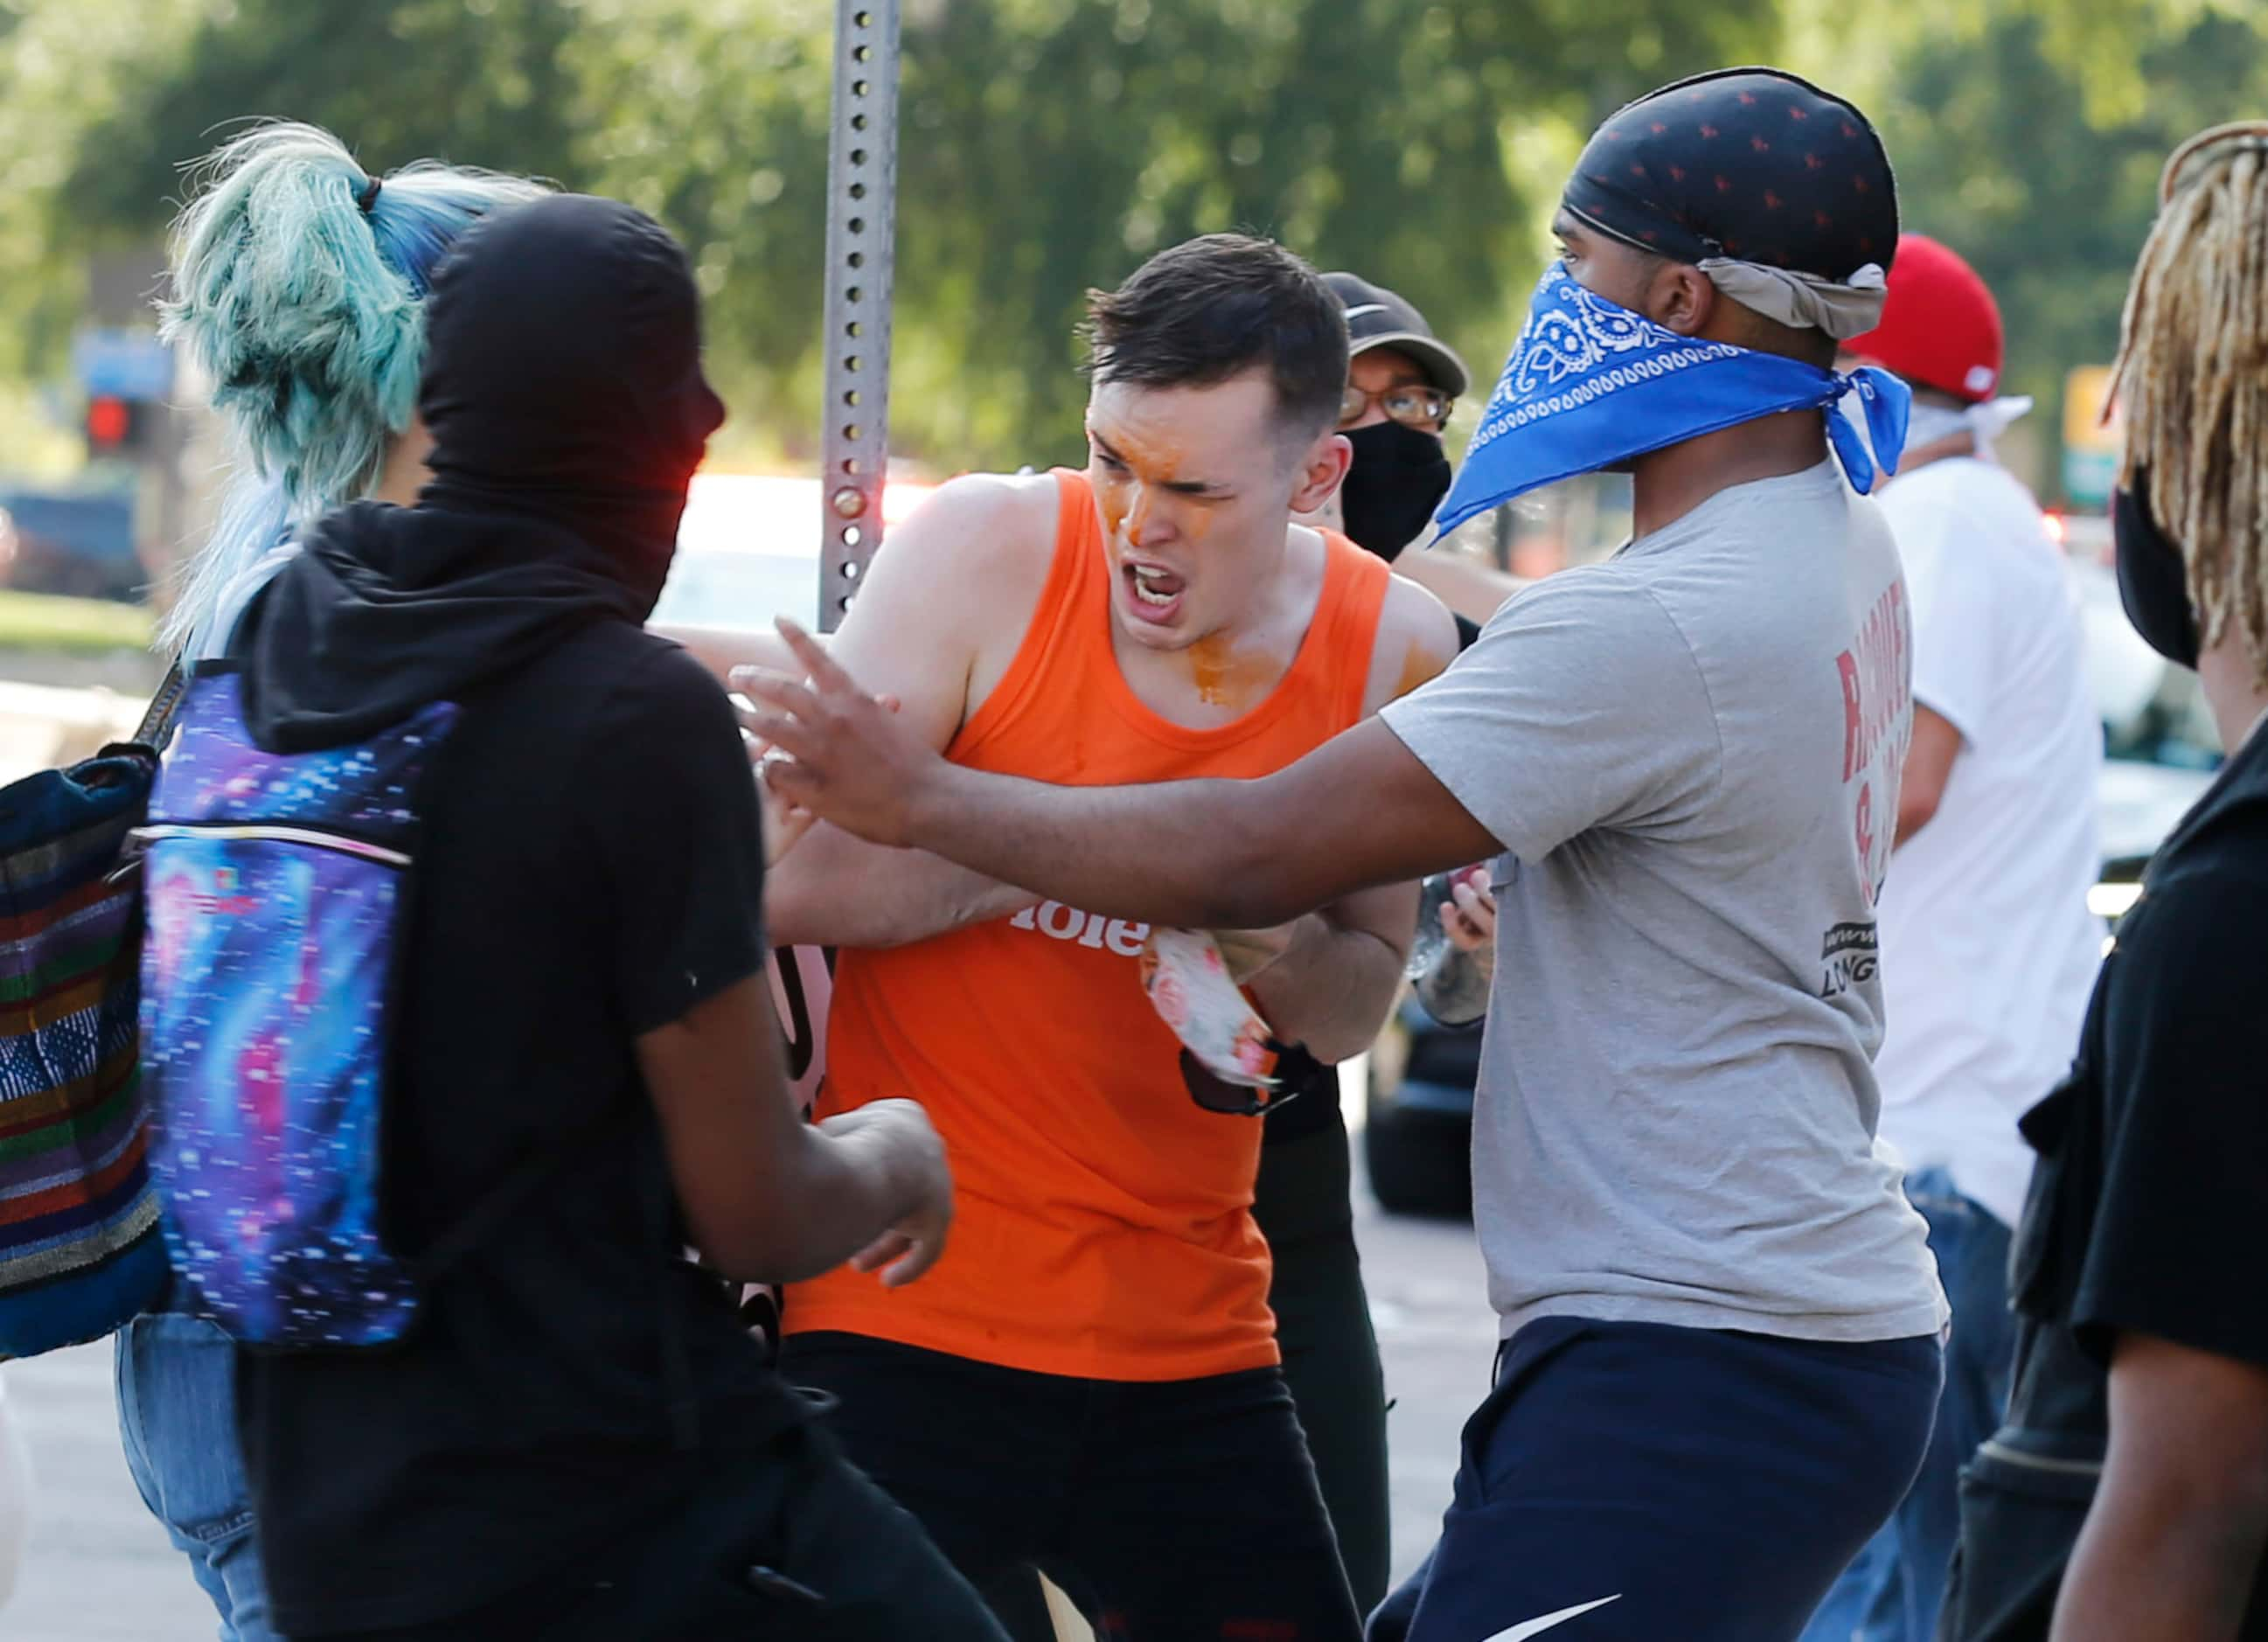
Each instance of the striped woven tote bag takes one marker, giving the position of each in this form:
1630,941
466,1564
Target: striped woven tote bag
80,1252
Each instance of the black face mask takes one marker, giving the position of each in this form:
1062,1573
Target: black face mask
2153,578
1399,477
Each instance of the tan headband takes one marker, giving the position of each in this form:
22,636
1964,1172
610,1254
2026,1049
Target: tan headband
1842,308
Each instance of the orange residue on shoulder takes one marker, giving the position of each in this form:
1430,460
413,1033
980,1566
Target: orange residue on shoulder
1419,665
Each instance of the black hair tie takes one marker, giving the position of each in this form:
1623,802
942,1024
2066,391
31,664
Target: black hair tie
369,196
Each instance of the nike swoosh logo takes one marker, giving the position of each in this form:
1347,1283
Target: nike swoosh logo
1550,1622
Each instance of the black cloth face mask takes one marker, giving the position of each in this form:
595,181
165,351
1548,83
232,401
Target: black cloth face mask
1399,477
2153,578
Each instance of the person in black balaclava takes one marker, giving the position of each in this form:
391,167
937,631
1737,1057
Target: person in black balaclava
536,522
579,1440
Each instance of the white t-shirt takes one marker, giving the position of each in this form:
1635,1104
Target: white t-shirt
1988,949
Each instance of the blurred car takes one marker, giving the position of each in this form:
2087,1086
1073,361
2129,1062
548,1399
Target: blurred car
80,543
2161,752
747,550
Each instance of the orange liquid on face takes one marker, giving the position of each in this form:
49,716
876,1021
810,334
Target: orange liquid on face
1148,464
1224,676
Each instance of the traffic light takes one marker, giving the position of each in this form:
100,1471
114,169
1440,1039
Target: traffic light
114,426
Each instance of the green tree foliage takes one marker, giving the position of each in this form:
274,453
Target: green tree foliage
482,82
2030,135
65,70
1053,144
1049,145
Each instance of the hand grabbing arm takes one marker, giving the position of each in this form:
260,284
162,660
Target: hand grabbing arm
1197,854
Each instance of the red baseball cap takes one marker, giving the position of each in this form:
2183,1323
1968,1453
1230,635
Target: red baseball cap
1939,327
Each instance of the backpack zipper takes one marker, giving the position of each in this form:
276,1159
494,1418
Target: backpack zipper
275,834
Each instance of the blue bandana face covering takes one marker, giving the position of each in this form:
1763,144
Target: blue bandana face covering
1591,384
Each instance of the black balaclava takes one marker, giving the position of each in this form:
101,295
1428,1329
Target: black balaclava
1399,476
563,393
2153,581
1751,164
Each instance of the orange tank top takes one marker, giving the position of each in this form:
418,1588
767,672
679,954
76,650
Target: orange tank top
1103,1223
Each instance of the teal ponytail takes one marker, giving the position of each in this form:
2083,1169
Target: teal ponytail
306,312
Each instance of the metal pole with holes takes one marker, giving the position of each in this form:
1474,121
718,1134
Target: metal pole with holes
862,174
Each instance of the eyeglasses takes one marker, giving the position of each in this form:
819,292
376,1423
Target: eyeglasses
1217,1094
1412,405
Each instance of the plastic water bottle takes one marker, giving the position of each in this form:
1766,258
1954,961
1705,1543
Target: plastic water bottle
1433,895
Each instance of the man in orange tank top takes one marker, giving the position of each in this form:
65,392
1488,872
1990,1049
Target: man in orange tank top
1088,1381
1720,1317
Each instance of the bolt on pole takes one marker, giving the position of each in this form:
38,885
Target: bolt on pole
862,175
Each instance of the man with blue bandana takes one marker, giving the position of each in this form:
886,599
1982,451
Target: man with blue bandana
1720,1322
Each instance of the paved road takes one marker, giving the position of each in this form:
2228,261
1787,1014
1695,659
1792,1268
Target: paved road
99,1569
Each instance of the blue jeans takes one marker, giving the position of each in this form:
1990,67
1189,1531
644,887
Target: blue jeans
1893,1591
177,1417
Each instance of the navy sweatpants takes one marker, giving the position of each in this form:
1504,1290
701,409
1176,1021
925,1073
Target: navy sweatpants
1633,1481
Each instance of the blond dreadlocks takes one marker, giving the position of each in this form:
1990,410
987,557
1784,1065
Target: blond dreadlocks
2191,376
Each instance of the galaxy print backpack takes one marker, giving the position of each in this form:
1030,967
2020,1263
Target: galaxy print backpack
277,888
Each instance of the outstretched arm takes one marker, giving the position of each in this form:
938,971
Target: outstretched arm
722,649
937,604
843,891
838,890
1358,812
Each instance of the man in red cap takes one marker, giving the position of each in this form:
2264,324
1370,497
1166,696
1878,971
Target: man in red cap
1988,948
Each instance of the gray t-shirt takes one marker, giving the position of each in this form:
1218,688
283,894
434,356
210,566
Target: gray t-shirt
1691,755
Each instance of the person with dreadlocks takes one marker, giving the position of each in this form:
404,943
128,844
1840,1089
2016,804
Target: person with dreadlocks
298,285
1721,1322
2140,1396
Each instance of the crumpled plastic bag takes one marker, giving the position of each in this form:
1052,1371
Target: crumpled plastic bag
1189,984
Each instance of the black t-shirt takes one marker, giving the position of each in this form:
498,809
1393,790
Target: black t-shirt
592,869
2145,1214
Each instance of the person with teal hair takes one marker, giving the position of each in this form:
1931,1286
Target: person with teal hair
299,285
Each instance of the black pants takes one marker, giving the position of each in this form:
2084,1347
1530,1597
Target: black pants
1183,1511
1330,1355
795,1546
